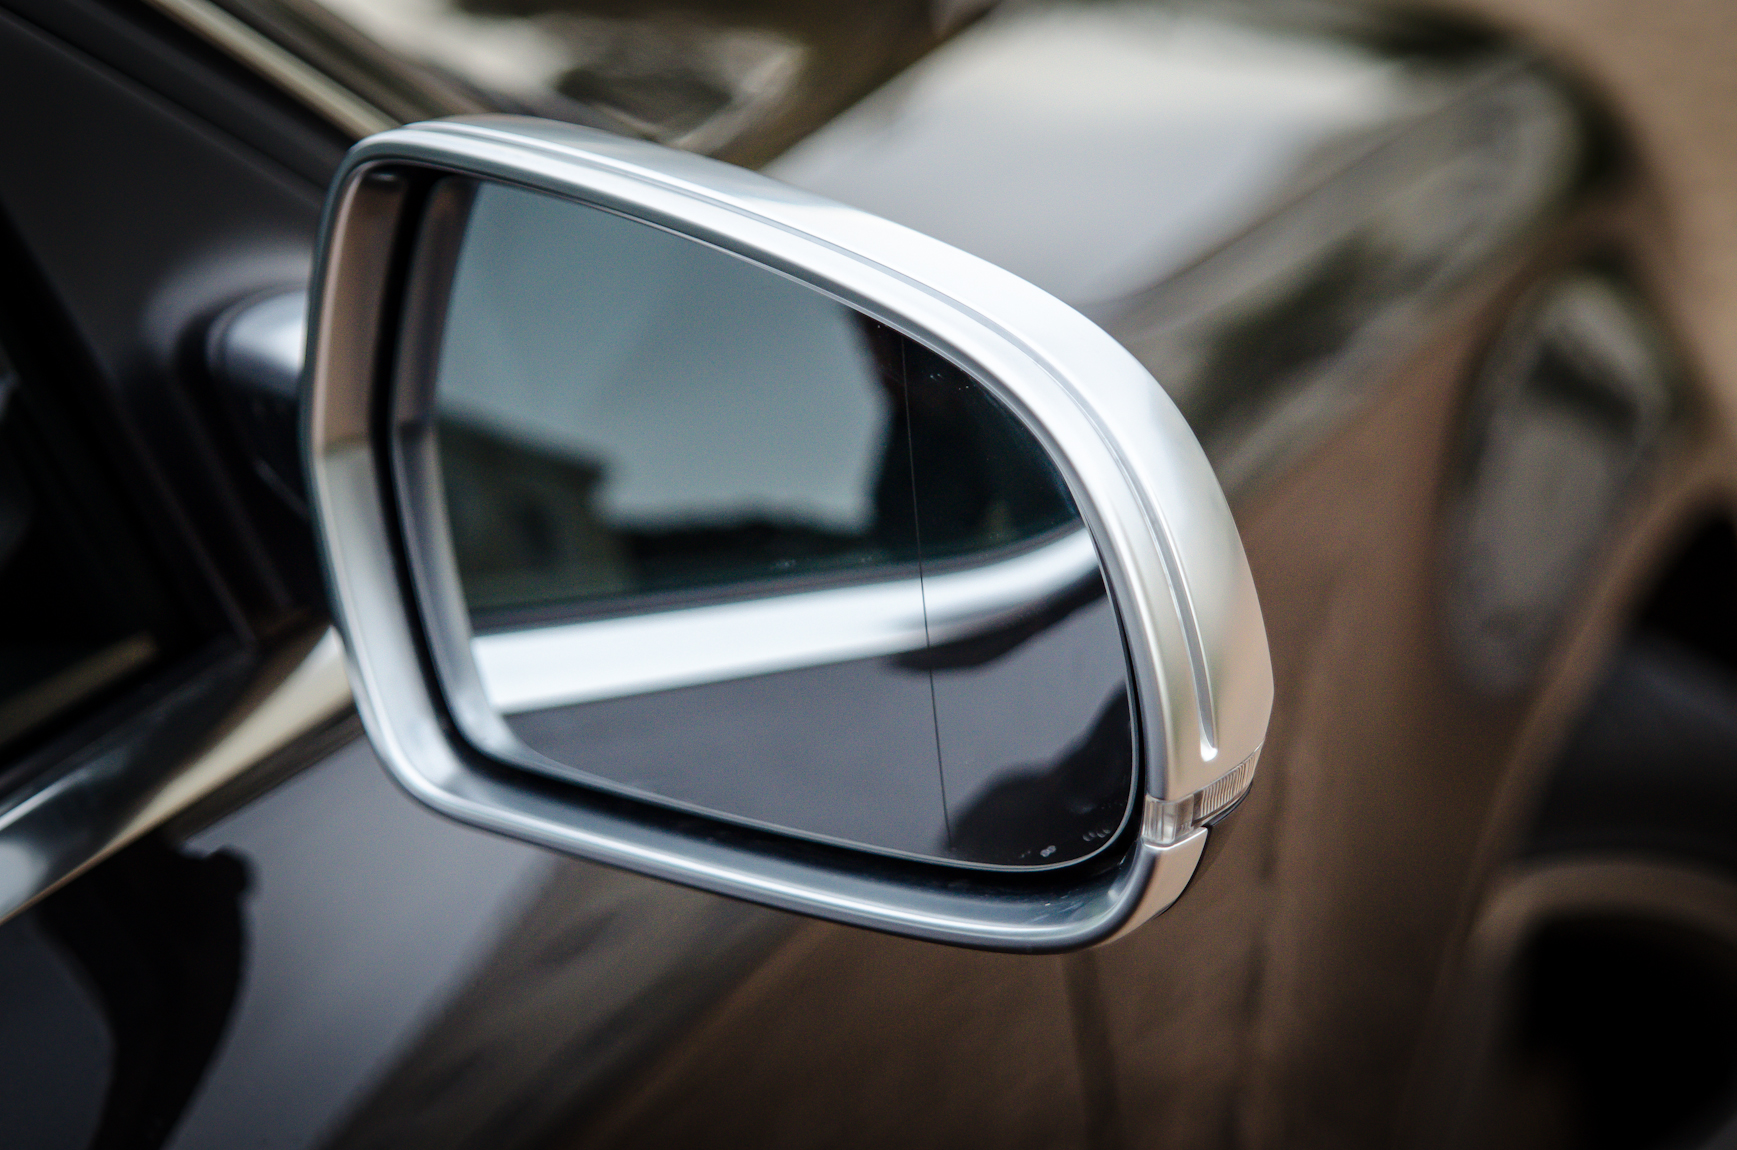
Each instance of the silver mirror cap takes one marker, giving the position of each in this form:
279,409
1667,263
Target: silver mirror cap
1170,550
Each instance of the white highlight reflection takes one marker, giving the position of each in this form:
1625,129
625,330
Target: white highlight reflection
610,658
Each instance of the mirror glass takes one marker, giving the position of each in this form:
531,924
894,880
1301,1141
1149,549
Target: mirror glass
730,544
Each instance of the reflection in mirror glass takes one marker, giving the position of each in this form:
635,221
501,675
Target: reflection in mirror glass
626,412
731,544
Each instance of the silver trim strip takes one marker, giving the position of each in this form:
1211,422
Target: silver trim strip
69,821
317,689
290,72
610,658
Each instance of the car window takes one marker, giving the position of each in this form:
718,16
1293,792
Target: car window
82,608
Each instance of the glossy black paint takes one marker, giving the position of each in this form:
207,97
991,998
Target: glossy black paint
57,1046
413,979
159,940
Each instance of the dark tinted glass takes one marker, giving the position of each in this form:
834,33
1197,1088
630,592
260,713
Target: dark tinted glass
83,609
625,412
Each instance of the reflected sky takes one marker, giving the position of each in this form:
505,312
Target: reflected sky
626,411
580,332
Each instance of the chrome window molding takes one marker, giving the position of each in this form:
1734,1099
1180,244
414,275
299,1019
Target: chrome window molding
289,71
137,778
1169,549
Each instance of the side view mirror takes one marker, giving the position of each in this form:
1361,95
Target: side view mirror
683,521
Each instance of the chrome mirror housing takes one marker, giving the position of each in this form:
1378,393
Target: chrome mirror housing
1137,527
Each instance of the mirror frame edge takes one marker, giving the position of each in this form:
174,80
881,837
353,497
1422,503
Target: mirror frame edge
1157,568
